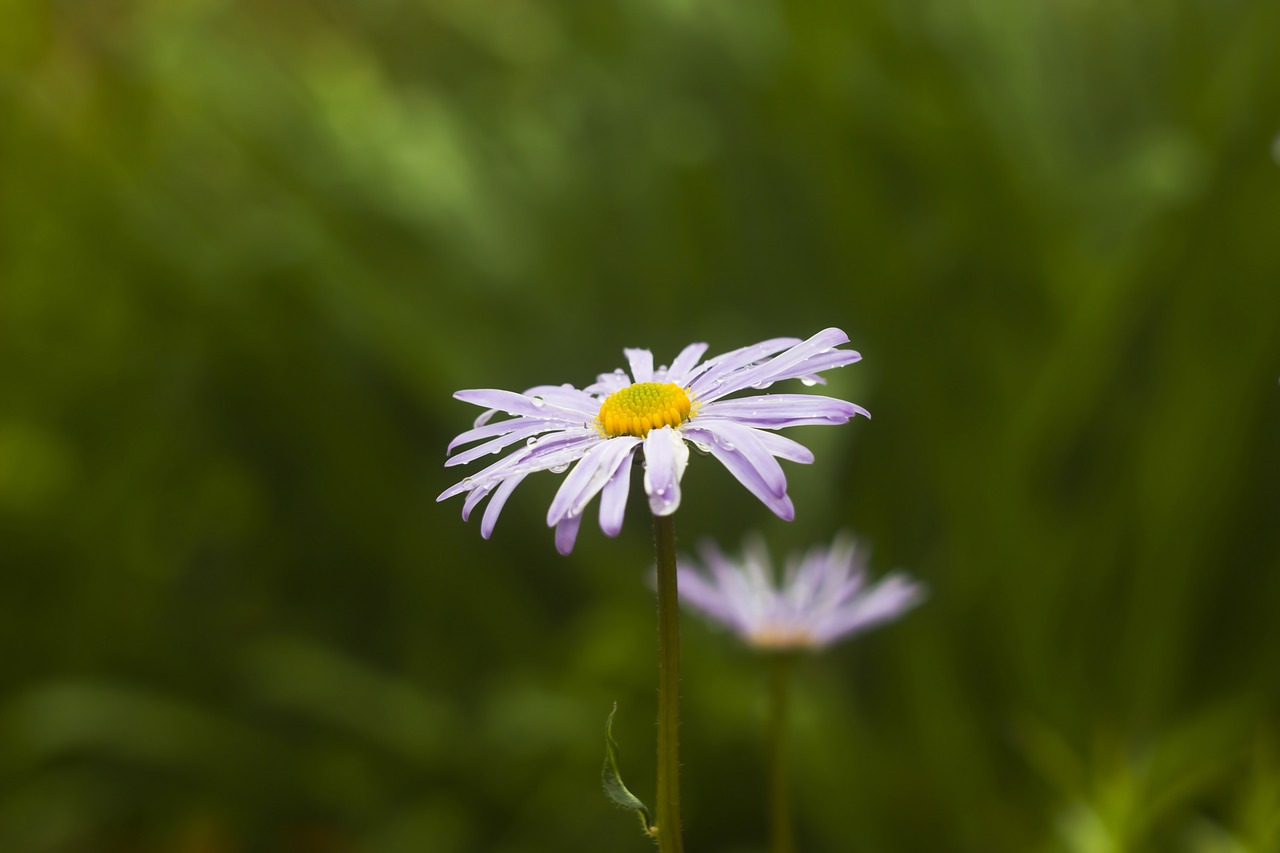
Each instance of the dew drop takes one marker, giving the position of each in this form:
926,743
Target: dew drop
537,401
559,469
808,380
701,447
532,441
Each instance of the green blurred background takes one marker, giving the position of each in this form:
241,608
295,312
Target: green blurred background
248,251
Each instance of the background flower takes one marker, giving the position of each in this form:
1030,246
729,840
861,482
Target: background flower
823,596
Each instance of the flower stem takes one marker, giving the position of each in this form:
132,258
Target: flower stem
779,707
670,839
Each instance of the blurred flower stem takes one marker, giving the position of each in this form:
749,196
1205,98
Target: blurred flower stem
670,839
780,667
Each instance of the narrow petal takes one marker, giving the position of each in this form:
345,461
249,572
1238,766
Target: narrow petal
565,397
613,498
665,458
809,356
567,533
708,380
697,592
500,495
518,404
552,451
488,431
734,436
589,476
890,598
783,447
680,368
641,361
474,497
533,426
777,411
746,474
607,383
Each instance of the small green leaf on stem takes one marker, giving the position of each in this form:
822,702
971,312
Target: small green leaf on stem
613,786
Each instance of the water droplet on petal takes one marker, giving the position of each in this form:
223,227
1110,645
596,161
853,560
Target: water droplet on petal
701,447
808,380
559,469
537,401
532,441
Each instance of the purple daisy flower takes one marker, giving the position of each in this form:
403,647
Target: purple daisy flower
824,595
602,426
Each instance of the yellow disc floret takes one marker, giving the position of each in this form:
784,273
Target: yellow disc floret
638,408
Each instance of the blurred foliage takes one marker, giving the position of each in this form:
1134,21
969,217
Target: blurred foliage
247,252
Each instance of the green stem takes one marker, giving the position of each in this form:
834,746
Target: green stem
670,839
779,707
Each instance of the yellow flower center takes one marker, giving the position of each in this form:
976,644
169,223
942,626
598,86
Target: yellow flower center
781,638
638,408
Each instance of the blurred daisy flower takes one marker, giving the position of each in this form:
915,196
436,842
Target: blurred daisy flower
825,595
655,412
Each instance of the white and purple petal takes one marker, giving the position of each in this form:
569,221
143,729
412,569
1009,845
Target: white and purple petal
745,473
641,361
805,358
519,404
778,411
613,497
665,458
531,428
567,533
500,495
714,375
730,435
589,476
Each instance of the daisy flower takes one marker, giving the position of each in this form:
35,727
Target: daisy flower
654,413
824,596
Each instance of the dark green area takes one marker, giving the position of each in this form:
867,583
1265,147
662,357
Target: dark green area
248,251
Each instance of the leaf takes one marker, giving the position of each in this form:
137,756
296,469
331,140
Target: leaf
613,786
